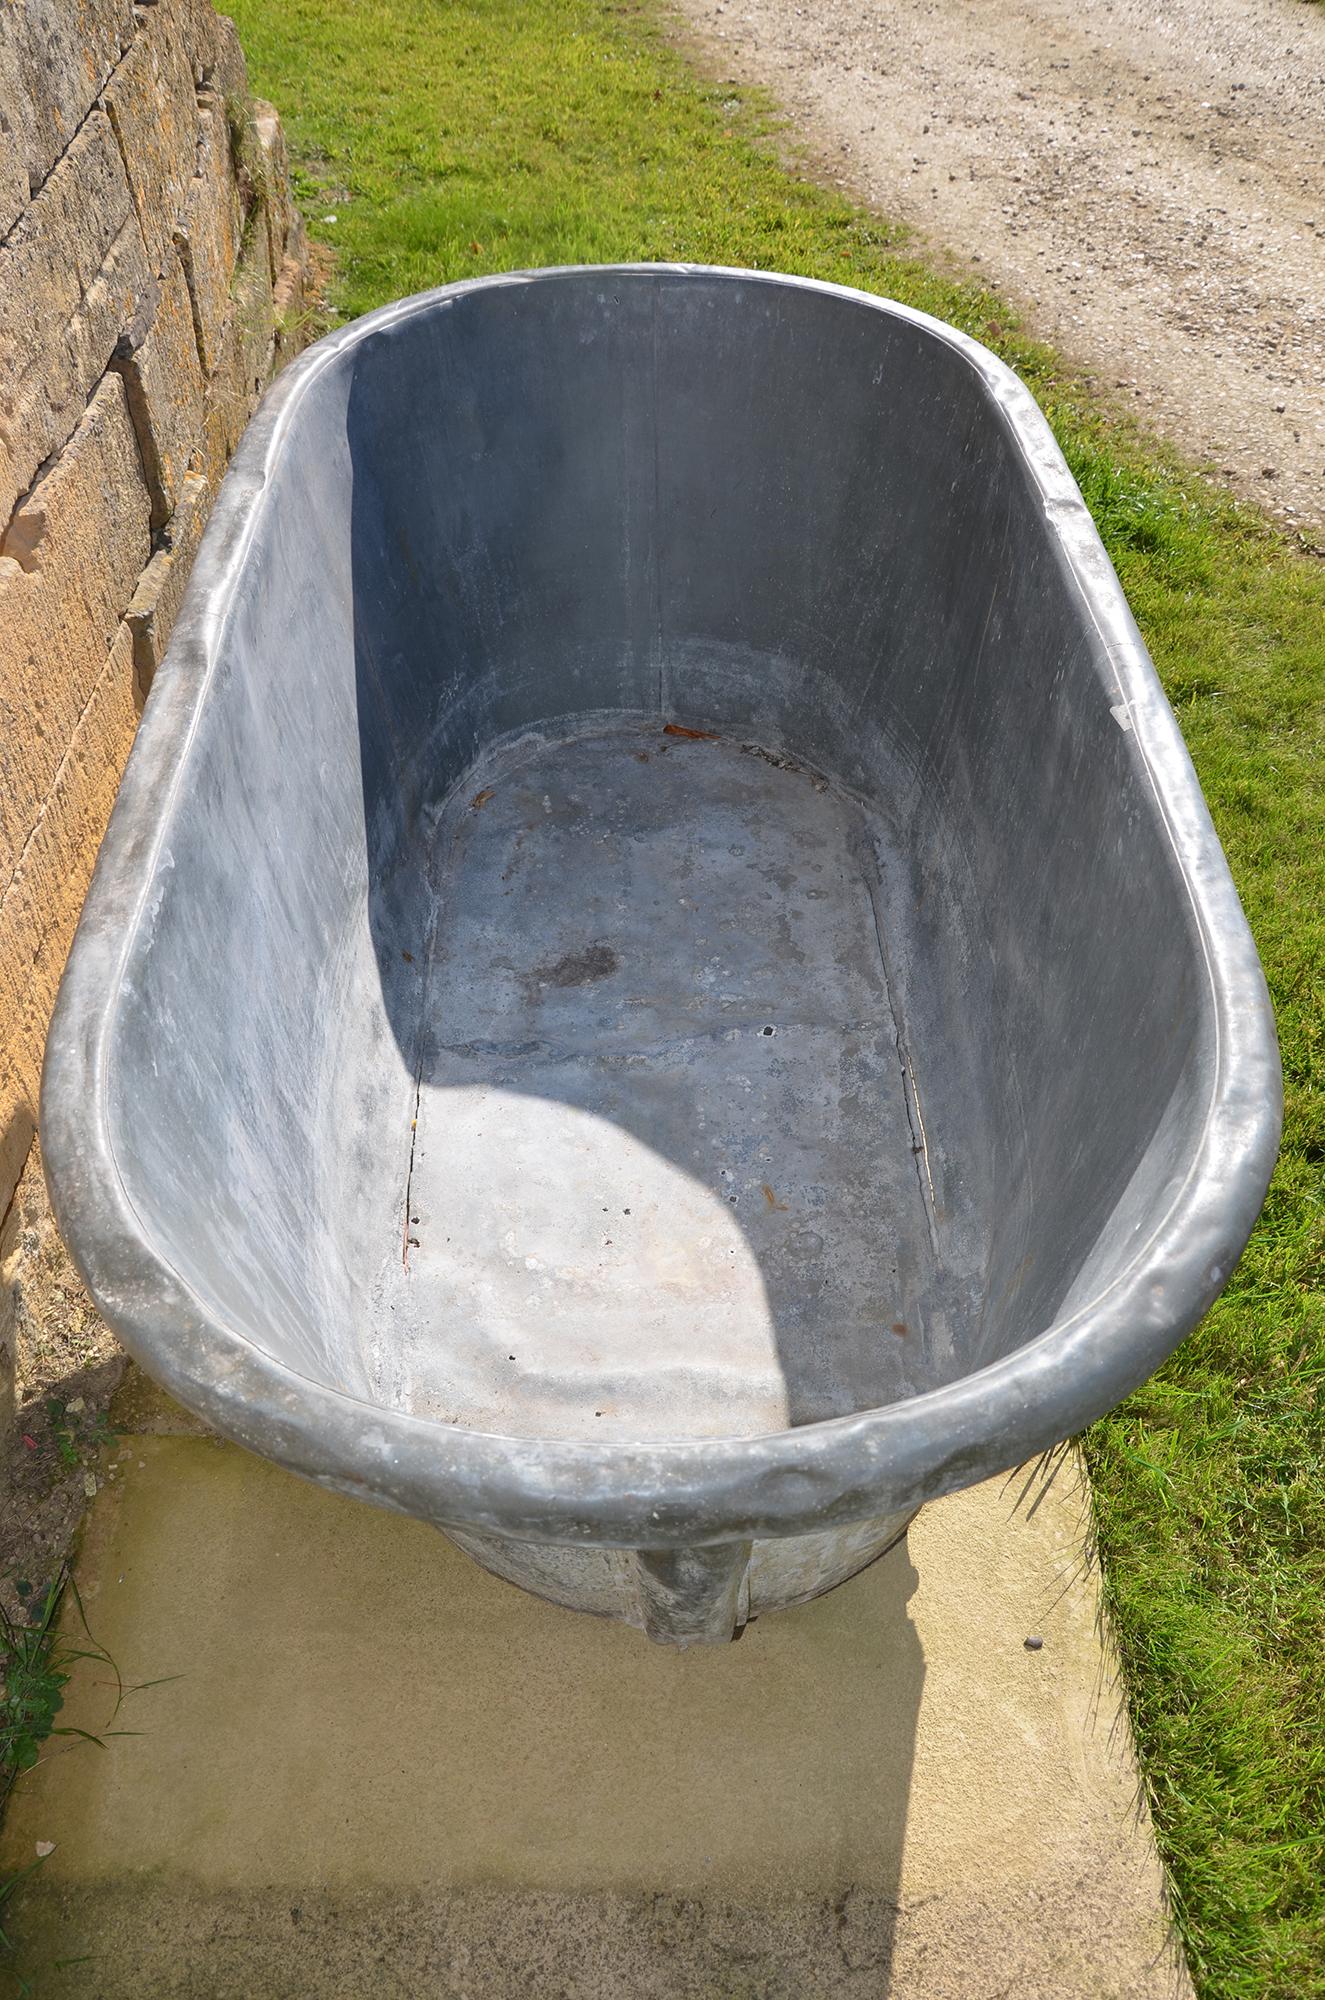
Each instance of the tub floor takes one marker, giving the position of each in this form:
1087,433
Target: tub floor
662,1179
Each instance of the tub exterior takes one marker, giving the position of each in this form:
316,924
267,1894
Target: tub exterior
701,1595
683,1537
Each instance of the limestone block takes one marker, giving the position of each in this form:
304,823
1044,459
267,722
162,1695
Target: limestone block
245,363
255,319
291,298
225,70
221,422
68,566
11,1298
40,907
16,138
210,237
154,110
72,271
164,380
18,1124
49,1331
72,221
65,50
274,192
195,23
155,604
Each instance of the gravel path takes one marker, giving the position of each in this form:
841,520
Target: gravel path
1145,178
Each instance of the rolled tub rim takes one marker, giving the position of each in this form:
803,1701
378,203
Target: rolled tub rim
652,1495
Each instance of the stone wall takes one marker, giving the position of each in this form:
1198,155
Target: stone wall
152,279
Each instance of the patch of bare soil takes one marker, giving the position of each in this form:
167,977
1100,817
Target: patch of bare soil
59,1367
1146,183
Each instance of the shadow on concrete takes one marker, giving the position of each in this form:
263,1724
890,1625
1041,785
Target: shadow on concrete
384,1772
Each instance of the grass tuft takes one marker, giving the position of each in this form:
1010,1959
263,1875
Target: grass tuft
37,1661
36,1664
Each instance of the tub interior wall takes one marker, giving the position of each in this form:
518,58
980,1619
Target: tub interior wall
795,523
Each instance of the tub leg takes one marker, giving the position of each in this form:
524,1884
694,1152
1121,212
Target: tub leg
690,1596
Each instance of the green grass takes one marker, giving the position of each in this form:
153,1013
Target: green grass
37,1660
448,139
36,1663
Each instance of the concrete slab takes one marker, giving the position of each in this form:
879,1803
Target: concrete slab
382,1772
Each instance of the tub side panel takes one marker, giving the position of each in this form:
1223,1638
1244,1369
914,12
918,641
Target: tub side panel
215,1074
875,577
503,458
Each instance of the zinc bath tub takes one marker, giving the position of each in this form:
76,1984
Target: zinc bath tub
660,990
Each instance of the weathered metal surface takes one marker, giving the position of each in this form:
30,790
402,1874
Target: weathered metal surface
660,990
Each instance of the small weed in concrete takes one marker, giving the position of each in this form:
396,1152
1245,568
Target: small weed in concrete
36,1661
